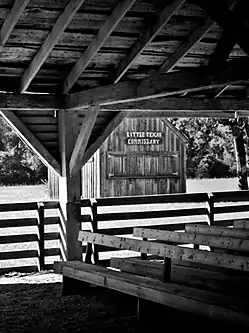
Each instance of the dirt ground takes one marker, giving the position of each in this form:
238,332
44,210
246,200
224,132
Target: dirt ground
33,303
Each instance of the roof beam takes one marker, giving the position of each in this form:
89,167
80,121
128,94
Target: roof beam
182,104
164,85
226,43
52,38
118,118
75,163
28,138
11,20
235,27
185,47
105,31
185,114
146,38
30,102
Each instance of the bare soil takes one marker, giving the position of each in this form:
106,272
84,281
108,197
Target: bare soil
33,303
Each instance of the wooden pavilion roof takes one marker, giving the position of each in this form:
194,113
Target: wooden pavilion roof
103,59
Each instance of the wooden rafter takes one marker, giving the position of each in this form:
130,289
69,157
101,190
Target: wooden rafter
105,31
163,85
103,136
75,163
41,56
27,136
146,38
11,20
185,47
229,21
30,102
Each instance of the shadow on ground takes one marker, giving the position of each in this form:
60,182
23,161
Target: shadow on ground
41,308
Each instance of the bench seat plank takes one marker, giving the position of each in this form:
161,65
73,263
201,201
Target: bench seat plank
180,297
187,275
227,243
170,251
217,231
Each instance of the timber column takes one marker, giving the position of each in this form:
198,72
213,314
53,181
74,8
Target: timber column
69,192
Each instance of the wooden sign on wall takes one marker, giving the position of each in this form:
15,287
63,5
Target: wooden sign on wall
144,138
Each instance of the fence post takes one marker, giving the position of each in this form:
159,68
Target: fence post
93,249
95,229
41,241
211,208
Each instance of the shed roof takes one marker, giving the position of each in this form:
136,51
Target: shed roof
177,58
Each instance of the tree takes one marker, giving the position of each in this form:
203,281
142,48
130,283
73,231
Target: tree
240,131
210,151
18,164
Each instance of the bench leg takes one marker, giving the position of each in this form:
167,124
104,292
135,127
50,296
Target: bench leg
166,270
73,287
144,256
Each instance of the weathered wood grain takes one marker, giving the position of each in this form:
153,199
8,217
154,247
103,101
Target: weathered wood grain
164,85
107,28
184,298
30,102
169,251
146,38
103,135
220,242
75,163
60,25
217,231
183,104
11,20
199,277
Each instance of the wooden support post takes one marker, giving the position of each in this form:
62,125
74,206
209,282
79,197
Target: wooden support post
70,194
41,242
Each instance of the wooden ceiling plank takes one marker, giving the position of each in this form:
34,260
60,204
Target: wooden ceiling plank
28,137
187,80
103,136
145,39
75,163
61,24
11,20
33,102
185,47
105,31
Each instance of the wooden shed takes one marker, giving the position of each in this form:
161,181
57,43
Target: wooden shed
142,156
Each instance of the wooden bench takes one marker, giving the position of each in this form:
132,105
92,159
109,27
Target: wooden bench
130,279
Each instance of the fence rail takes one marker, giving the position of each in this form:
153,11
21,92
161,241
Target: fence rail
31,239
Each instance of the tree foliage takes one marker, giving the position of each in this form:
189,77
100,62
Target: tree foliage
18,164
210,148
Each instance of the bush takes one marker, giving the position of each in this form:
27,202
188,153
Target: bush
210,167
